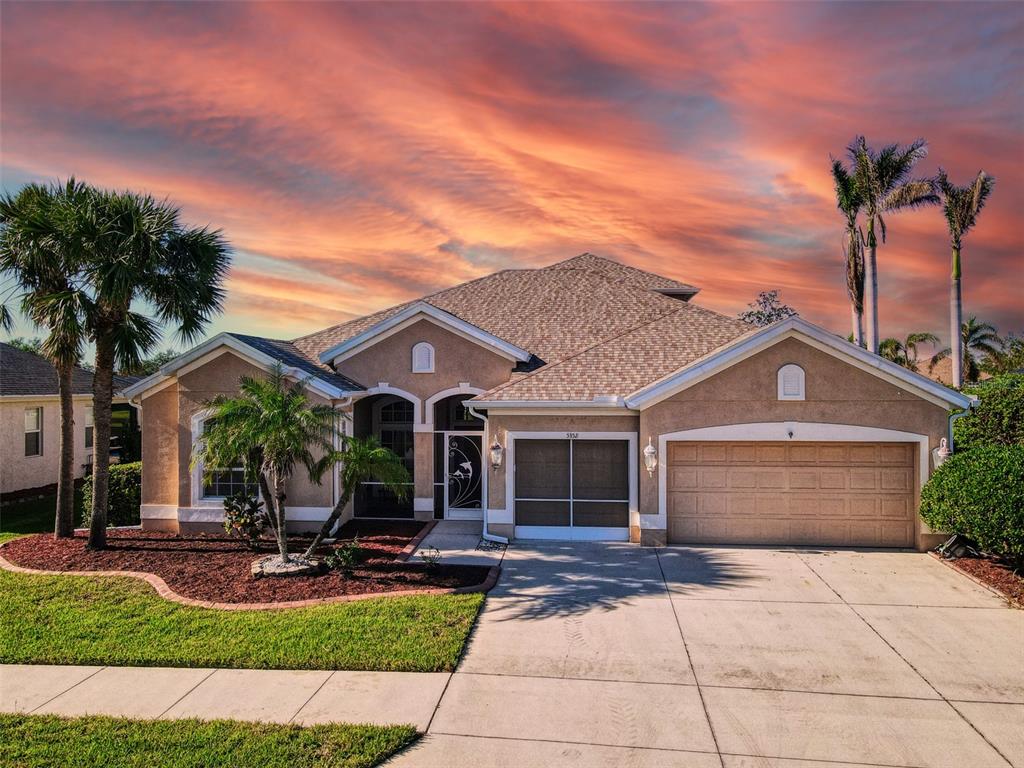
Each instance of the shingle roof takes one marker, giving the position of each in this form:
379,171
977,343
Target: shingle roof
553,312
286,352
621,365
25,373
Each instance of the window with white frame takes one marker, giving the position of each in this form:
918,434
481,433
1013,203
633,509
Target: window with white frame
222,482
34,431
88,427
791,382
423,358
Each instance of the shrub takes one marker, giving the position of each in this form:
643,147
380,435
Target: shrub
125,495
245,518
998,418
432,557
980,494
346,557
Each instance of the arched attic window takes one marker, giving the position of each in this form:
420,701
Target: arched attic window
423,358
791,382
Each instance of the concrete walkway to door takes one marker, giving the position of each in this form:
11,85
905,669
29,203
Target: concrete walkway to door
612,655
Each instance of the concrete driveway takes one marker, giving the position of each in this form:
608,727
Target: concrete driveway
612,655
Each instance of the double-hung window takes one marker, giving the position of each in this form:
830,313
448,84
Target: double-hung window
222,482
88,427
34,431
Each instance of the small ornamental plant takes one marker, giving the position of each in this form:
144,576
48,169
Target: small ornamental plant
346,557
431,557
245,517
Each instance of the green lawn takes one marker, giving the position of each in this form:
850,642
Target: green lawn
35,515
122,621
33,741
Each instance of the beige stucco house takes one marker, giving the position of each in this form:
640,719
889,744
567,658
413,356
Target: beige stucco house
30,421
586,400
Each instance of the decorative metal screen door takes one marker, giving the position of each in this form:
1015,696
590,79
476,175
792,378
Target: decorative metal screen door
464,489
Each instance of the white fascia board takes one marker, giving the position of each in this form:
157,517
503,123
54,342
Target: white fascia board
393,324
817,337
611,405
223,342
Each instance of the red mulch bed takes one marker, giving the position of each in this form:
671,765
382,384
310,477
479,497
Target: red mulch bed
216,567
996,574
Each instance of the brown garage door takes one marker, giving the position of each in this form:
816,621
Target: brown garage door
841,494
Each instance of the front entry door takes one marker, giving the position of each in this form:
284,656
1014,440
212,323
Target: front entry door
463,492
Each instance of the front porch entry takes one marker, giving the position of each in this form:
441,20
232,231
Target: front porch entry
459,481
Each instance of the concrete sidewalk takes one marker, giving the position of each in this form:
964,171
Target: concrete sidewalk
277,696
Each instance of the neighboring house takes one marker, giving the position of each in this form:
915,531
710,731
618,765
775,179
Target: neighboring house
30,421
942,372
574,377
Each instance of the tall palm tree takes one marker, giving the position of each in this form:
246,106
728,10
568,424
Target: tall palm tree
961,206
904,352
140,252
882,180
849,202
975,337
363,459
271,427
40,250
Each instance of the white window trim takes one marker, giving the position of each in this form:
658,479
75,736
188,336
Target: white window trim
779,431
87,417
419,348
802,385
567,532
40,414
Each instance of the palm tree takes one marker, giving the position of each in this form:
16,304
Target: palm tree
363,459
881,179
140,252
904,352
849,202
40,249
271,427
975,337
961,206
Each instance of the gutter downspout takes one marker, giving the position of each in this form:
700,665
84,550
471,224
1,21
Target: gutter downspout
953,418
487,535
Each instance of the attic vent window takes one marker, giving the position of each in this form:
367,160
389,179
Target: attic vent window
423,358
791,382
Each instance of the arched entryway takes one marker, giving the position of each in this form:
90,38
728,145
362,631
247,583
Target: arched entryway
459,482
390,419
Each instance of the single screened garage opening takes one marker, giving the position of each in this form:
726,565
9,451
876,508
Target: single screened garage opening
819,494
574,488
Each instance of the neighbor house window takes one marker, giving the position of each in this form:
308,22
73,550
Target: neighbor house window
791,382
33,431
423,358
88,428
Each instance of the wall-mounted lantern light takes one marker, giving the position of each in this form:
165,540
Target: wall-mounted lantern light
497,452
650,458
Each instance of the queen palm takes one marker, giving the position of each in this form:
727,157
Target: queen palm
849,202
961,206
271,427
141,253
40,251
976,338
363,459
882,182
904,352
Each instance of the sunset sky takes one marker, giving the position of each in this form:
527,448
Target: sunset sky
359,155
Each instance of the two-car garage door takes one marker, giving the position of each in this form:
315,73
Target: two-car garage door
840,494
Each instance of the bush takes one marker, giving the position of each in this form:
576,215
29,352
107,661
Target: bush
998,418
346,557
980,494
124,496
245,518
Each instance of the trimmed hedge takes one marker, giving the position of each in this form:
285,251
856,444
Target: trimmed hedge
980,494
125,495
998,419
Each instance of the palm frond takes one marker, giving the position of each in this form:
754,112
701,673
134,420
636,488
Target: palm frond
912,194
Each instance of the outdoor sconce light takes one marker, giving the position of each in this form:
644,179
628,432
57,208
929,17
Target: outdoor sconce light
650,458
496,453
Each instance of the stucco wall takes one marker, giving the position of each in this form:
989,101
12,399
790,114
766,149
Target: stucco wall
455,360
836,392
18,471
160,447
500,425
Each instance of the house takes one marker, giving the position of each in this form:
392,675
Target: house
583,400
30,422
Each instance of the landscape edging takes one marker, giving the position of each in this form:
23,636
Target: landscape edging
167,593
